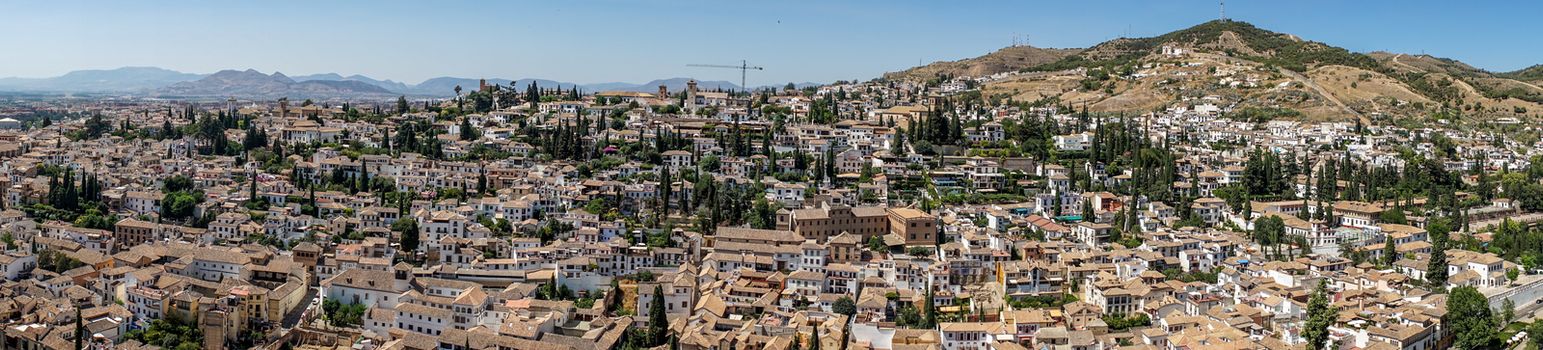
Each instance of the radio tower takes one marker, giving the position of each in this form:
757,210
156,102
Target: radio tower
1224,9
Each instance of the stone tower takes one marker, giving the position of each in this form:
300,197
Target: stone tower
690,104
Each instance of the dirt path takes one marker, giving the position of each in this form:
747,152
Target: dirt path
1406,66
1321,91
1527,84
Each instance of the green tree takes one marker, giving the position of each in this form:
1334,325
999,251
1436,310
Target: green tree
1350,252
1389,252
1531,261
1507,311
1393,216
168,334
1535,328
95,219
1087,211
343,315
710,163
814,339
80,331
658,325
614,298
1120,322
1320,315
1470,319
1269,232
1436,270
844,306
876,244
178,205
931,319
763,214
704,220
468,131
908,317
407,226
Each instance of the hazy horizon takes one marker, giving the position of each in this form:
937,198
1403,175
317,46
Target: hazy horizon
638,41
734,79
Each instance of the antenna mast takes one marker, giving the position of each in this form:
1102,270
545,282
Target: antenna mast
1224,9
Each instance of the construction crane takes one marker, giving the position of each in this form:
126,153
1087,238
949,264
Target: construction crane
743,67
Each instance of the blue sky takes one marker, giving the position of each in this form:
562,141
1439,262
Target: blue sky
639,40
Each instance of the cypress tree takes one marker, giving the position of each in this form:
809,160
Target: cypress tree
931,319
364,175
1389,252
252,193
315,209
658,325
533,94
1436,270
482,181
80,330
666,188
1320,315
468,133
814,339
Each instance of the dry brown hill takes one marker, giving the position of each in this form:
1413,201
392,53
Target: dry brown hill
1460,85
1007,59
1230,62
1533,74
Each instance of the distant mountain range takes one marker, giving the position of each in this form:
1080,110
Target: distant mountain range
251,83
121,79
152,81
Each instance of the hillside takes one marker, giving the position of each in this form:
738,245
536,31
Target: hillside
1230,38
1005,60
1531,74
384,84
120,79
251,83
1455,82
1237,63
